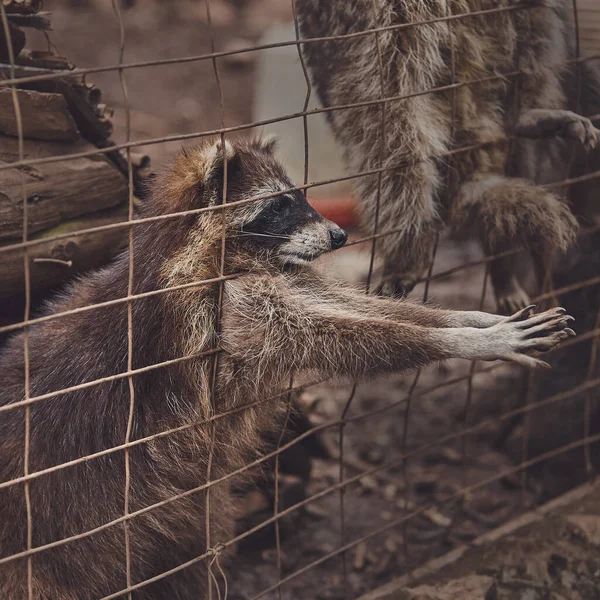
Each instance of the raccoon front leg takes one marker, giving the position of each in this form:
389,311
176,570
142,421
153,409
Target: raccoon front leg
274,334
539,122
406,311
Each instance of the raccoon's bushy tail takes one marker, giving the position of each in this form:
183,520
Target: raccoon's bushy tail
511,212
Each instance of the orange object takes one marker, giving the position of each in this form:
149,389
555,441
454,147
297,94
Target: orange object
339,209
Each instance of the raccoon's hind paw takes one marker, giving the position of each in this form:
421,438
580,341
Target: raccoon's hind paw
536,123
584,131
512,299
395,286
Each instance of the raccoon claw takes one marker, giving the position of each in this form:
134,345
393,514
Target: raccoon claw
556,316
584,131
541,332
522,314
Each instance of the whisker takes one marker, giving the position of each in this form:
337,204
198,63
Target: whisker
267,235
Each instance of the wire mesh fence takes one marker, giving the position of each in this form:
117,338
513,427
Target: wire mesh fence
402,407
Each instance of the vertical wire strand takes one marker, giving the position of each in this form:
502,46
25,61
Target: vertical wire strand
215,365
547,286
27,308
215,369
127,495
587,409
276,485
527,376
406,420
587,423
469,394
291,382
450,187
346,409
417,377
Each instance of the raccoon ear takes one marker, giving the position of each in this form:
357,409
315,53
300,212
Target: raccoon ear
268,143
216,159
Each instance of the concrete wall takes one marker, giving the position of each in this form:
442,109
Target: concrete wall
281,90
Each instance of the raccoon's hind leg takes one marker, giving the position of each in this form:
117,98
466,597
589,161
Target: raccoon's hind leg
539,122
407,263
510,296
511,213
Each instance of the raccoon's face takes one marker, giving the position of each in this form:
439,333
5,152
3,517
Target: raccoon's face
292,230
285,226
279,224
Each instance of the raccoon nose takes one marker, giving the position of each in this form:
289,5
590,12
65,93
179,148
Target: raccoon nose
338,238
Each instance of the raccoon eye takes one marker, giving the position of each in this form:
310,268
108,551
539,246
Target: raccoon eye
278,205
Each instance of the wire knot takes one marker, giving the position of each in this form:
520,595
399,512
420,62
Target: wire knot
215,552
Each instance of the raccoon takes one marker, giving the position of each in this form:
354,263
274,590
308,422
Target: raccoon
265,312
425,186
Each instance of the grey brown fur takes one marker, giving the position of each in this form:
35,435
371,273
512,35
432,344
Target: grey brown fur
491,189
279,316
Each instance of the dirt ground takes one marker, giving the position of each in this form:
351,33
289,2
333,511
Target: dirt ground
551,552
184,98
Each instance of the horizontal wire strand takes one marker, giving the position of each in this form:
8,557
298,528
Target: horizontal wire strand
590,384
225,53
299,114
520,410
392,524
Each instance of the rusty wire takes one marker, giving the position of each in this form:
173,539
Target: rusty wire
592,364
553,399
212,55
351,395
354,543
34,399
127,493
27,307
215,358
225,130
288,412
141,221
587,387
374,412
592,384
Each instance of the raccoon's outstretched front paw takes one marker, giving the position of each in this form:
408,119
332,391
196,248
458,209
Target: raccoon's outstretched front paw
512,299
395,286
536,123
522,333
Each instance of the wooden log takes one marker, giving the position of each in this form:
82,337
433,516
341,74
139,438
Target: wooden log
9,149
57,191
59,260
9,152
35,21
76,93
44,116
42,59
